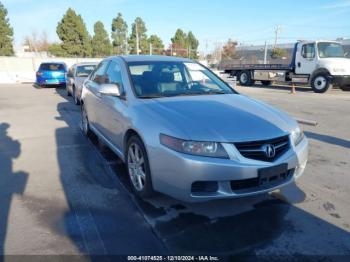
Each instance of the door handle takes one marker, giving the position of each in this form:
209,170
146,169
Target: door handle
299,64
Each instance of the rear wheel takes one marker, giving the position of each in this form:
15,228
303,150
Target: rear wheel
245,78
138,168
320,83
266,83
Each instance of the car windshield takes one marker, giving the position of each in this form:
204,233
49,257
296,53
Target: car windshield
52,67
85,70
165,79
330,50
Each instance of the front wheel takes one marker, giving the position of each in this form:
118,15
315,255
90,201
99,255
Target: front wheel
320,83
85,126
75,96
138,168
67,91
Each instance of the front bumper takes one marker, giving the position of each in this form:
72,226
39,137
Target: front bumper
176,174
341,80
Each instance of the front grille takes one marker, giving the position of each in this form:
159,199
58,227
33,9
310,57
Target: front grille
205,187
255,149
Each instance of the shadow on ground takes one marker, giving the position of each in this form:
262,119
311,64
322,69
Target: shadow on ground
328,139
11,182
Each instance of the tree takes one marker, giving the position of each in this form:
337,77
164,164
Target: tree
140,27
101,45
229,50
74,35
120,35
157,44
193,44
179,43
185,45
278,53
6,33
56,49
37,43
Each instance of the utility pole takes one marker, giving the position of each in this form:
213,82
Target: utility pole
278,30
137,39
150,48
265,54
188,51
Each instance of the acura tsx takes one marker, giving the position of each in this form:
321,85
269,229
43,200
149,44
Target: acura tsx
184,132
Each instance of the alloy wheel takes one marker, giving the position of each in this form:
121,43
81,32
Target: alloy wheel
136,167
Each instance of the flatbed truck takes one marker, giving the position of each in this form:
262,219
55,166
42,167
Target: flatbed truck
320,64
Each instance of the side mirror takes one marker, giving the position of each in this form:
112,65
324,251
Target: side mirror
110,90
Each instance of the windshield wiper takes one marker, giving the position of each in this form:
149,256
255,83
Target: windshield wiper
150,96
215,93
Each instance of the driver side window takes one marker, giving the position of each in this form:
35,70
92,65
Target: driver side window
308,51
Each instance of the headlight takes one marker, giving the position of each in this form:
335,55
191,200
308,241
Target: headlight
297,136
338,70
208,149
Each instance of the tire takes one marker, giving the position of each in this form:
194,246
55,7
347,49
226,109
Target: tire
68,93
85,126
245,78
320,83
76,99
266,82
138,168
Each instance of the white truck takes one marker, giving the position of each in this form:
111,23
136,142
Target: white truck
321,64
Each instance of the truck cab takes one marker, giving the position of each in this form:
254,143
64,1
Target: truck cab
324,62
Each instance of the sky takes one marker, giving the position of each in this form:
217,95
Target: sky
213,22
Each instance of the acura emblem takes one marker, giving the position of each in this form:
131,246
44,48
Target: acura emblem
269,150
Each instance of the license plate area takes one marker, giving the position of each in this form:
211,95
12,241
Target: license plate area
273,174
52,81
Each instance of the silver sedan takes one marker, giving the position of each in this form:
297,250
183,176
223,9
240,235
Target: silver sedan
76,77
184,132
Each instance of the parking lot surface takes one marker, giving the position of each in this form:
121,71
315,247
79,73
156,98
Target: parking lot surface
61,193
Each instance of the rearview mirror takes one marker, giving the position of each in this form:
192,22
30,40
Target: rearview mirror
110,90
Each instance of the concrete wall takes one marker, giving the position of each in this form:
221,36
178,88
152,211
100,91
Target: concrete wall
22,69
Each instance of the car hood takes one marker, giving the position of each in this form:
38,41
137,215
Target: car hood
336,63
222,118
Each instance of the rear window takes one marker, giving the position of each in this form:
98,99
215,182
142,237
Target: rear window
84,71
52,67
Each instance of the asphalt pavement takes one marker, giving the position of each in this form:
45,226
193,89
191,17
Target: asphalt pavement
61,193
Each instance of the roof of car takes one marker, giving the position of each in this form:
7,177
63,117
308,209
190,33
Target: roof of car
86,63
54,62
154,58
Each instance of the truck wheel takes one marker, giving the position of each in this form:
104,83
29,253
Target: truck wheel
245,78
266,82
320,83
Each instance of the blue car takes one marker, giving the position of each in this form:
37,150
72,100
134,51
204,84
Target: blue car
51,74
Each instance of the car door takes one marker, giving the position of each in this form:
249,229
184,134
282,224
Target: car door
306,59
92,98
114,109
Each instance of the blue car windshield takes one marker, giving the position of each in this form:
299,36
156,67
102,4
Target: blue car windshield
52,67
164,79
